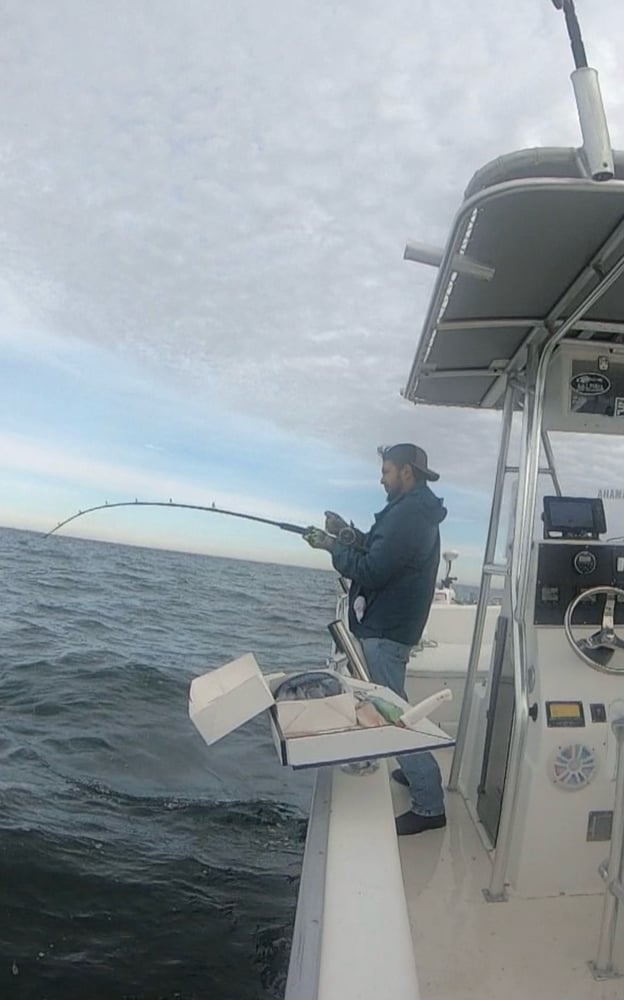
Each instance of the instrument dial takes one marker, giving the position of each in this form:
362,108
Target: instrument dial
584,562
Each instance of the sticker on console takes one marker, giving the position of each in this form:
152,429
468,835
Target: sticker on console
590,384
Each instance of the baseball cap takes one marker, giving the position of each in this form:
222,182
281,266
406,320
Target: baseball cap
409,454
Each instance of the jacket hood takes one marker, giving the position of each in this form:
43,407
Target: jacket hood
431,506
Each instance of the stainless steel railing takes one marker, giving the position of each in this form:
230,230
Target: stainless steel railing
349,645
612,871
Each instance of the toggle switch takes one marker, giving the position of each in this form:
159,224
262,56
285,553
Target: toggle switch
598,712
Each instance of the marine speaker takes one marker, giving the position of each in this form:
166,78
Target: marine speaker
573,766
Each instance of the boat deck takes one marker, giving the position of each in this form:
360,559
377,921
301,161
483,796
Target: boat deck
469,949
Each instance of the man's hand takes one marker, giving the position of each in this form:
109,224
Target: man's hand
318,539
334,523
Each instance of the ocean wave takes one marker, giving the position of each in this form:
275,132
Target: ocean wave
107,930
134,860
219,811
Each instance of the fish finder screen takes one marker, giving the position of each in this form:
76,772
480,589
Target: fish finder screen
572,516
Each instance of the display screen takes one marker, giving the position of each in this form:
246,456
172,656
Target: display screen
571,515
565,710
565,713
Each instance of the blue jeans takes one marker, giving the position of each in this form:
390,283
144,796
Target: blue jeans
387,662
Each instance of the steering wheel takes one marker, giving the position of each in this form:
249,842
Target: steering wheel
598,649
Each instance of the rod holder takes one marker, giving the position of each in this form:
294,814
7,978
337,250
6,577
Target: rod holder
351,649
593,120
422,253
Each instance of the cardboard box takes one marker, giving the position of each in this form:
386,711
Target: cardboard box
224,699
307,733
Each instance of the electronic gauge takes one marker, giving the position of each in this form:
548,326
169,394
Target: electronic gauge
565,714
584,562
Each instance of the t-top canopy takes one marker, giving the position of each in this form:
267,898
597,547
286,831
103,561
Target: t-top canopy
553,239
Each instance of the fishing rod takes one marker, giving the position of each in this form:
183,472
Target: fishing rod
574,32
345,535
213,509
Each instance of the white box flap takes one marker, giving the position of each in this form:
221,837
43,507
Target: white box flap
318,715
222,700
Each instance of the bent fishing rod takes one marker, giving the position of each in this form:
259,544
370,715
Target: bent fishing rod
345,535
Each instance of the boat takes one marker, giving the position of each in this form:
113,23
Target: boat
519,896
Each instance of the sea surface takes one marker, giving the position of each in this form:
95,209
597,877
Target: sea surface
136,863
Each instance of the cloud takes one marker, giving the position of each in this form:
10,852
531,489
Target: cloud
220,200
120,482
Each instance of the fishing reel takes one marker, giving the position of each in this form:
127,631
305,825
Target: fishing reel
347,536
336,525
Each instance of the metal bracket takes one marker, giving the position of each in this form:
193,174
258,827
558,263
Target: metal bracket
603,975
499,898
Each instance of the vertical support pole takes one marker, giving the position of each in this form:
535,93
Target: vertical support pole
550,458
484,590
521,550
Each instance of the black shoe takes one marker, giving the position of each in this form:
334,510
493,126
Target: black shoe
411,822
400,778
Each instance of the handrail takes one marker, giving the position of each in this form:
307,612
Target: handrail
612,870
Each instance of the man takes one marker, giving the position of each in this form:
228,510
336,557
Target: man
393,572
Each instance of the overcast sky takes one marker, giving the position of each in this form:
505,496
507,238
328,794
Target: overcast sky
204,210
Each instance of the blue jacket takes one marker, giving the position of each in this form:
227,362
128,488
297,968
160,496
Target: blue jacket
396,573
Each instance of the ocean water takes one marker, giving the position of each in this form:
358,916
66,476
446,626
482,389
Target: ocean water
136,863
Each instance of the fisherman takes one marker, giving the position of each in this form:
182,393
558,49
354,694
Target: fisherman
393,571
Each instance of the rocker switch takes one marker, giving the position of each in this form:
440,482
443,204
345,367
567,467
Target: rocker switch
598,712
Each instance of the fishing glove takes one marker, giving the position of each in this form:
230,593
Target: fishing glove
334,523
319,539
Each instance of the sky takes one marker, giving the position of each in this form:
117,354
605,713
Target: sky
204,211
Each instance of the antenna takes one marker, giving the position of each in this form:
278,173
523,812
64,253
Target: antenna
597,149
449,557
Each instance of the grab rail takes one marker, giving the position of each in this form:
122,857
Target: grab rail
612,871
